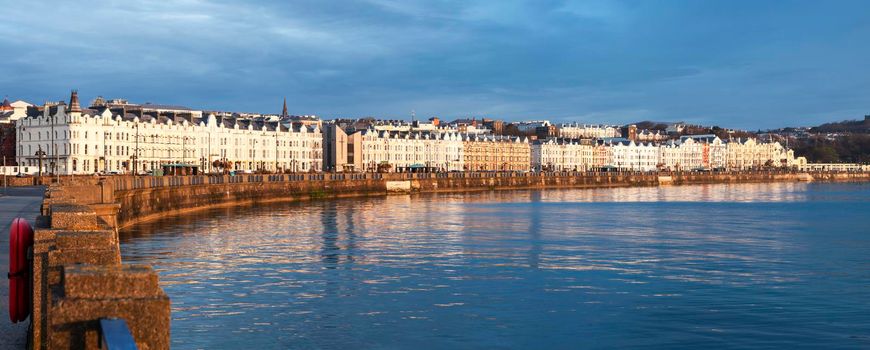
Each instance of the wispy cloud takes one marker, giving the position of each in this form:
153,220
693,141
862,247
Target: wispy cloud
722,62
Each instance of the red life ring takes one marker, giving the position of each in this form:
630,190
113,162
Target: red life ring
20,239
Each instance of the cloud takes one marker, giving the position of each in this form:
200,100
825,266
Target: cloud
719,62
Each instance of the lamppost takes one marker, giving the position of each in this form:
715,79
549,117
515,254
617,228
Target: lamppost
20,152
105,135
277,129
136,152
184,150
39,154
209,153
52,149
56,162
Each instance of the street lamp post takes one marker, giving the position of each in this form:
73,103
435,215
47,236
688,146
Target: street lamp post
53,148
277,129
136,152
105,159
184,150
39,154
20,152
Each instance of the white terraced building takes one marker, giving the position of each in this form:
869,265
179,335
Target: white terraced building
696,152
584,131
70,140
405,151
628,155
553,155
693,152
751,154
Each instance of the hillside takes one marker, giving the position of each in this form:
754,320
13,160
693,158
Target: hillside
847,126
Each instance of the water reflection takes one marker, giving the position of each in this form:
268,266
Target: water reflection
683,266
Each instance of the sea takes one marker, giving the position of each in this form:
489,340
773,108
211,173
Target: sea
720,266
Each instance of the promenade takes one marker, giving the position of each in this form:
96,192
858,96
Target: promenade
14,202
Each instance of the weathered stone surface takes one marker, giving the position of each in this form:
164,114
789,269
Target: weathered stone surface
74,322
73,217
78,276
59,257
107,212
85,239
127,281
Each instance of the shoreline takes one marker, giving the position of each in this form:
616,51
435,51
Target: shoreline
247,203
200,198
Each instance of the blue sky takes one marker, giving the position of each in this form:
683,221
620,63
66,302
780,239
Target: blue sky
746,64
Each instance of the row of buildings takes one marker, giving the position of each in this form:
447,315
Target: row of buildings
699,152
115,136
67,139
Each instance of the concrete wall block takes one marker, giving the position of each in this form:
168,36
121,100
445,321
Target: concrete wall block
44,236
118,281
73,217
63,257
85,239
107,191
74,321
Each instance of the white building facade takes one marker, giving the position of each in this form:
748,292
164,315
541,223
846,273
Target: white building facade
410,150
633,156
584,131
701,152
67,140
552,155
751,154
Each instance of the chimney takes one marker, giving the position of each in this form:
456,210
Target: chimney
74,106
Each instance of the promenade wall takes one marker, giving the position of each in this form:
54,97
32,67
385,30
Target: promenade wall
77,275
148,198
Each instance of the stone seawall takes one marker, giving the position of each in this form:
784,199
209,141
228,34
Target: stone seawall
78,279
147,198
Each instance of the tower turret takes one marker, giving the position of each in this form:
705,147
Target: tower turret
284,111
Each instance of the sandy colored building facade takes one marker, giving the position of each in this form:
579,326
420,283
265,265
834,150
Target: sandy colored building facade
496,153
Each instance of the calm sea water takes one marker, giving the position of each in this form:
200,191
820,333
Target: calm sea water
717,266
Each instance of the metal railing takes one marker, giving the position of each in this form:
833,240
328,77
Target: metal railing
115,335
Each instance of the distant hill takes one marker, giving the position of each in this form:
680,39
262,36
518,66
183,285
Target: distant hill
850,126
653,125
689,129
849,148
852,145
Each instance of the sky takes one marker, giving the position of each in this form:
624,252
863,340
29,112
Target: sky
742,64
